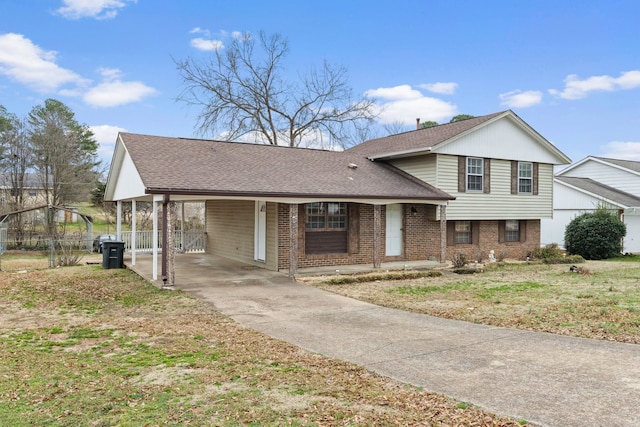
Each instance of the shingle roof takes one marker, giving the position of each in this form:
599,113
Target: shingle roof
192,166
419,138
627,164
609,193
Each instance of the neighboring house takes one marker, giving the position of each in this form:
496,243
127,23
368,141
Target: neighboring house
591,183
470,186
33,192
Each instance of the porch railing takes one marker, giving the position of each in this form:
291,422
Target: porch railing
185,241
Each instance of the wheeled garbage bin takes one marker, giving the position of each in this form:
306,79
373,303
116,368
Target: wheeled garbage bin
112,254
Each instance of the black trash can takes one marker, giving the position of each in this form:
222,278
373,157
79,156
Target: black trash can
112,254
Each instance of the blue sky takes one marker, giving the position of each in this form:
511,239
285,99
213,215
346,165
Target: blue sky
571,69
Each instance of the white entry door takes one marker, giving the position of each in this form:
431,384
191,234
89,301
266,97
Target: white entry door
260,245
394,230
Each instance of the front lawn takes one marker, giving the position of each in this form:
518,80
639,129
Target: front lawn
601,300
92,347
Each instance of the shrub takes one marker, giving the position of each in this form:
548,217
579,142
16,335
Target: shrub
549,251
460,260
595,235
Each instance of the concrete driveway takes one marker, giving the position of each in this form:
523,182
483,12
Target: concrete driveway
543,378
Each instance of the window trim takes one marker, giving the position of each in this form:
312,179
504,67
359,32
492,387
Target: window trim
468,174
327,216
508,234
525,178
468,233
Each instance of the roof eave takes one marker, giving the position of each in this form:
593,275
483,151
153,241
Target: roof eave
283,195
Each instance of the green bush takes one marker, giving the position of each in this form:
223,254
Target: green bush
549,251
595,235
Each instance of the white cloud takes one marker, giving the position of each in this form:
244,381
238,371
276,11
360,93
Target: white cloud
622,150
575,88
98,9
403,104
106,137
113,92
520,99
448,88
27,63
198,30
206,45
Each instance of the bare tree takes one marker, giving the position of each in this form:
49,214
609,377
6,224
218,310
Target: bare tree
243,94
16,161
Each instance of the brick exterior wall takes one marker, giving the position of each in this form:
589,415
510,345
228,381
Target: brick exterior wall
488,239
421,240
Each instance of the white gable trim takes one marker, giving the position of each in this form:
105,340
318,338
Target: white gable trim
555,156
124,181
596,160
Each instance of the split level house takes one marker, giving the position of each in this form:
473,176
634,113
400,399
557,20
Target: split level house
592,183
472,186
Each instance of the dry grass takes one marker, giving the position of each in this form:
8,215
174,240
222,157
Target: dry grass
601,299
87,346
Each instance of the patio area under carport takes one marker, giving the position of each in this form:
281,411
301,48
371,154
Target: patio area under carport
203,268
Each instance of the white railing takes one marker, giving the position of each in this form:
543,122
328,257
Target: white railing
185,241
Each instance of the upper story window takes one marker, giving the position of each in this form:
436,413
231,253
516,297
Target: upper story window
525,177
475,173
323,216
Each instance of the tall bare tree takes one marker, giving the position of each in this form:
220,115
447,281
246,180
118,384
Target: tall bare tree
243,94
16,161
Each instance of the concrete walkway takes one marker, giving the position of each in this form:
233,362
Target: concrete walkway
543,378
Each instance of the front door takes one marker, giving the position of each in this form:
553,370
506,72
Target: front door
394,230
260,244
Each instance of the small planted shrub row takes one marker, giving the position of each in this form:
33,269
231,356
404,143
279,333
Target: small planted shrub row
362,278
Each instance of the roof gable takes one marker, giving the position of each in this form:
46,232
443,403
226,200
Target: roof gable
600,191
500,135
214,168
626,165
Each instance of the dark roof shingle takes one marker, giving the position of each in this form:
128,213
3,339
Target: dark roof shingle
193,166
419,138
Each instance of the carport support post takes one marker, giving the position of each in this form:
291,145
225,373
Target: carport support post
443,233
377,232
119,220
293,240
165,226
154,237
133,231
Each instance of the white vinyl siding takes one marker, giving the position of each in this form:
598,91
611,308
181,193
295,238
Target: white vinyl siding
609,175
502,139
500,203
422,167
230,230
